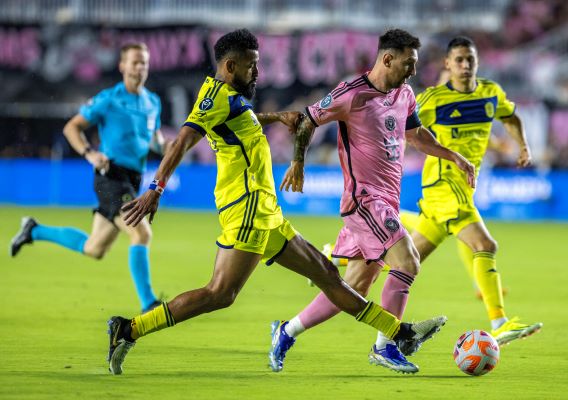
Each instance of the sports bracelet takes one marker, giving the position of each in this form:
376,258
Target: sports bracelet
157,186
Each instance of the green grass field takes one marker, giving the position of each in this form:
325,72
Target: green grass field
55,304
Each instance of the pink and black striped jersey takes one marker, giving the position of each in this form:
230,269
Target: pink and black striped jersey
371,137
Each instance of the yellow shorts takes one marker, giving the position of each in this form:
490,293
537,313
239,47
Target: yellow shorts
445,209
256,225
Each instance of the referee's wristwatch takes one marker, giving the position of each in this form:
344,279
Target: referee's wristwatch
87,150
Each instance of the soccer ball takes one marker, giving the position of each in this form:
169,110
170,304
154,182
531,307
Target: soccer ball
476,352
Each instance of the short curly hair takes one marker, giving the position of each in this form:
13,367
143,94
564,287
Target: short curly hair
239,41
398,39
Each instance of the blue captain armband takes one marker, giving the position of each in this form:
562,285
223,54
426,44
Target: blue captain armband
413,121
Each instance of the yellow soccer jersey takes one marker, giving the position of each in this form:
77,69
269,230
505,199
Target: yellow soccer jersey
244,164
461,122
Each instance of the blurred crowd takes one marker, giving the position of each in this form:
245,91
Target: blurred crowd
522,51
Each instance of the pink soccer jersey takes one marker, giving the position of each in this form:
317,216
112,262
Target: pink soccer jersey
371,137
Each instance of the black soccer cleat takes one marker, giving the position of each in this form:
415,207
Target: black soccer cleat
24,235
411,336
119,346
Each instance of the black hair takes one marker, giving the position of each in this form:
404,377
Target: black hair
460,41
398,39
239,41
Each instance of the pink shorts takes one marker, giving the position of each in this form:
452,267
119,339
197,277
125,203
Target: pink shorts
369,232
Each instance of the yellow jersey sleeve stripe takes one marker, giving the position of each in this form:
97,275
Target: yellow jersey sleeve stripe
214,89
423,98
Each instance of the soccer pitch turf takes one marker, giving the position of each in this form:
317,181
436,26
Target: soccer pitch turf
55,305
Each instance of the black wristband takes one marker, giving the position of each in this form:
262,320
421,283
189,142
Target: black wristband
87,150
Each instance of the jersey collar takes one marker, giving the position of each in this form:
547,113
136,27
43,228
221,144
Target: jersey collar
366,78
449,86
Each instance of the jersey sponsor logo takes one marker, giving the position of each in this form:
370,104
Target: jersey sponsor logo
393,148
392,224
206,104
390,123
326,101
458,133
455,114
489,109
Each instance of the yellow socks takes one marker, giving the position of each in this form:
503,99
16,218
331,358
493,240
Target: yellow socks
379,319
154,320
489,283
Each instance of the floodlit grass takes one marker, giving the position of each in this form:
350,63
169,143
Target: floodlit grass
55,304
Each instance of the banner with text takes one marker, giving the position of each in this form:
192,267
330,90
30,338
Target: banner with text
501,194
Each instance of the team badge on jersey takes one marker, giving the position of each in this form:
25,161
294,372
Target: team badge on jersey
206,104
326,101
490,109
390,123
392,224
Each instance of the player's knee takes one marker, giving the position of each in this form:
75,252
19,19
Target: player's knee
487,244
492,246
95,252
362,287
411,265
141,236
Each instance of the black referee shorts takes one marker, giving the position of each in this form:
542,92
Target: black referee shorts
118,186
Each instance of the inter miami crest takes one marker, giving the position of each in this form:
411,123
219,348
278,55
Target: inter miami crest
390,123
392,224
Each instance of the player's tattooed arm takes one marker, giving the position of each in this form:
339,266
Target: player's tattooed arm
289,118
294,176
303,138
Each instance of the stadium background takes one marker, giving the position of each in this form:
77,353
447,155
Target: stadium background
55,54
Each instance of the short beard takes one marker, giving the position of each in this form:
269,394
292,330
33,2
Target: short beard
246,90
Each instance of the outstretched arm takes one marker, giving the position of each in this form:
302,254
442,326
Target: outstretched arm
423,140
294,176
147,203
289,118
514,127
159,144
